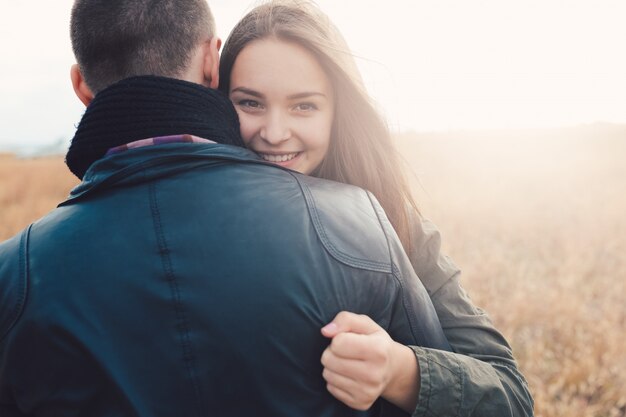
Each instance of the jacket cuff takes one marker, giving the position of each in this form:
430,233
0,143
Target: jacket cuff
441,383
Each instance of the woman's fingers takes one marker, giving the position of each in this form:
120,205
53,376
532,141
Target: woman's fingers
350,322
357,363
352,393
354,369
372,347
355,374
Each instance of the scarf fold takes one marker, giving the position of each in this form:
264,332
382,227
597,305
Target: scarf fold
148,106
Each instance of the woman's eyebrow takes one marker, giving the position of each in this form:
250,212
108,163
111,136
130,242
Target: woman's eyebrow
296,96
248,91
305,94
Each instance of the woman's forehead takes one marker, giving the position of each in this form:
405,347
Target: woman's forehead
277,65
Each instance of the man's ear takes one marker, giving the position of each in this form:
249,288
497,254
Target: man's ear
212,63
82,91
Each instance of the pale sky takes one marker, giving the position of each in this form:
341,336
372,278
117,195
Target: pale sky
430,64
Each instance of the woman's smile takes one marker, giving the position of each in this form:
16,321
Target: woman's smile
279,157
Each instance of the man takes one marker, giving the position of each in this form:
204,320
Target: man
186,277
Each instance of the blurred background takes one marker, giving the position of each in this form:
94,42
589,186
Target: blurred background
432,65
511,117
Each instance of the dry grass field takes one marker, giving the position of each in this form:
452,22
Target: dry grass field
534,218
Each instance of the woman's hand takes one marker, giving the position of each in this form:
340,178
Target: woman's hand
363,363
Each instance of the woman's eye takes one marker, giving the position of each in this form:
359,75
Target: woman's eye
250,104
305,107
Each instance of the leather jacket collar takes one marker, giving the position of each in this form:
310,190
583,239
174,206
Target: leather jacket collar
152,162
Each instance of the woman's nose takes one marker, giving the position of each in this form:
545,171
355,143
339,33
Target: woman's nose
276,129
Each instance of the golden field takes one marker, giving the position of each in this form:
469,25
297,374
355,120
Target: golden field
536,220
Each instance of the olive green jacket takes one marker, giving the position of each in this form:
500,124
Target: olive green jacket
481,378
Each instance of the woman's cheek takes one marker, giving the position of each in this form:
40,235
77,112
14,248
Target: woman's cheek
246,128
326,137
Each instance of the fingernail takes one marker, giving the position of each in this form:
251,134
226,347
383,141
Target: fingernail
330,328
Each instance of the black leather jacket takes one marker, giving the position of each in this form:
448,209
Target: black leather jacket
193,280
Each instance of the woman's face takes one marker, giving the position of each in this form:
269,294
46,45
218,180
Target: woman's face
285,103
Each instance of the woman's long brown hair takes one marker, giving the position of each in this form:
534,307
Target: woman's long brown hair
361,151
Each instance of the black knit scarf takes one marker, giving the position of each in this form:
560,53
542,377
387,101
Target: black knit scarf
145,107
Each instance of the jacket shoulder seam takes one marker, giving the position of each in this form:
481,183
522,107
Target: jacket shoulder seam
332,249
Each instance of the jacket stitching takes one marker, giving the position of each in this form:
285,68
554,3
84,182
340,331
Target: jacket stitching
183,325
340,256
408,310
23,276
425,407
430,385
461,387
408,307
376,209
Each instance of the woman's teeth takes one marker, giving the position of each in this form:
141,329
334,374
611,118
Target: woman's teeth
278,158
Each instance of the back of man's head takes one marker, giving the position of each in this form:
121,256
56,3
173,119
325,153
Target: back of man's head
117,39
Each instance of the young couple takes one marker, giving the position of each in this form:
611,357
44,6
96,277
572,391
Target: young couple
301,105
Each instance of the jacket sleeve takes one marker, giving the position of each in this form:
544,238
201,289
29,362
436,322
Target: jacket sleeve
480,378
12,298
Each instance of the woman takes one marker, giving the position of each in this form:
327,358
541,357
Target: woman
302,105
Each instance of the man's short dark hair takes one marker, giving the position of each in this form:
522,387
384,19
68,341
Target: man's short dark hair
117,39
